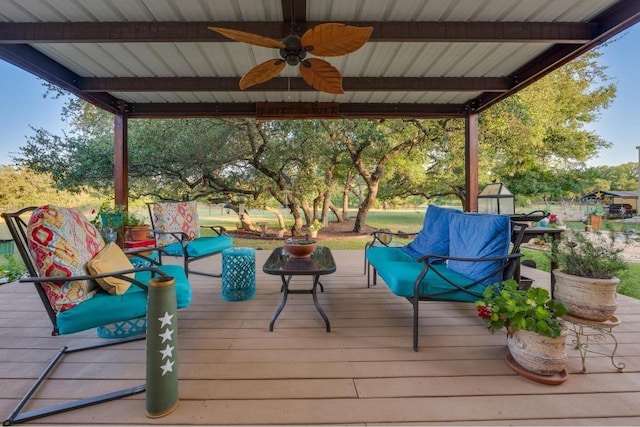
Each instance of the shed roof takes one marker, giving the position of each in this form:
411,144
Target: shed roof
609,194
426,58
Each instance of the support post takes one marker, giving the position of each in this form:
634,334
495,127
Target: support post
121,160
471,162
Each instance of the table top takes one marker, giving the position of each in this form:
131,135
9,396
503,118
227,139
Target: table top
280,262
539,231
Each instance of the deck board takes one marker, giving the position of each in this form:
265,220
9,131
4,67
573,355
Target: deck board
232,370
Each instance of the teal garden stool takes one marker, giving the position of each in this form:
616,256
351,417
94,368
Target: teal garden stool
238,274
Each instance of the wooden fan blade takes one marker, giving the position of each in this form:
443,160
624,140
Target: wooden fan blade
334,39
261,73
321,75
254,39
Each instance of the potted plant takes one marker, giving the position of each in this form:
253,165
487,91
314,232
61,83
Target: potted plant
136,229
586,281
594,216
314,228
109,220
533,321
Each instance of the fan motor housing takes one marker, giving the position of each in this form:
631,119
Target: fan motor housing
293,53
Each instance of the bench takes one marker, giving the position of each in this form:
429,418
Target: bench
454,257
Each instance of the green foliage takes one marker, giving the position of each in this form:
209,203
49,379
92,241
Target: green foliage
315,225
12,268
20,187
531,310
593,255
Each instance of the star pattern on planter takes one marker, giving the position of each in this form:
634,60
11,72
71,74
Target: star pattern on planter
166,335
167,352
166,321
167,367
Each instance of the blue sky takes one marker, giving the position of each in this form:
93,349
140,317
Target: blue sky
22,105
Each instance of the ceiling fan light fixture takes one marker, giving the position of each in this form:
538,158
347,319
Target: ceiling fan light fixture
329,39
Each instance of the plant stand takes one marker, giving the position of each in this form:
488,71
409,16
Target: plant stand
586,330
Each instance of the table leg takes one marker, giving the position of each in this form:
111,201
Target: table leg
285,292
316,281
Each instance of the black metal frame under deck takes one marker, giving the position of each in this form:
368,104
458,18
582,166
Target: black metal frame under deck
17,416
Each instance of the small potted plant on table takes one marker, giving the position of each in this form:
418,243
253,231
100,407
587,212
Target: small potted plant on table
136,229
535,330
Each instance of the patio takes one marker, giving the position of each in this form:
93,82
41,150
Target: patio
232,370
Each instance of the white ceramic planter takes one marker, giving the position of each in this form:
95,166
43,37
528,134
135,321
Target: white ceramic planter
586,298
538,353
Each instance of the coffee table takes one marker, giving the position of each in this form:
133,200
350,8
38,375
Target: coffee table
282,264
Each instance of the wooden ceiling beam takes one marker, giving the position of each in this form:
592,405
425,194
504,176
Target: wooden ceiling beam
293,110
149,32
350,84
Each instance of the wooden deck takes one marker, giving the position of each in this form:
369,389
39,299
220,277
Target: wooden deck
232,370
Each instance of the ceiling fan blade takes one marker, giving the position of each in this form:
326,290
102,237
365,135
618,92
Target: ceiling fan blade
321,75
261,73
254,39
334,39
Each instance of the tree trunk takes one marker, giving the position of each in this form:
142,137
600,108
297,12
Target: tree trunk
364,208
278,215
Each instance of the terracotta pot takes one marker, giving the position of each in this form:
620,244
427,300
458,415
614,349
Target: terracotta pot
595,221
537,353
138,233
586,298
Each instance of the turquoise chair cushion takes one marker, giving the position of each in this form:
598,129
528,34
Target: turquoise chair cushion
104,309
400,271
201,246
434,236
400,276
479,236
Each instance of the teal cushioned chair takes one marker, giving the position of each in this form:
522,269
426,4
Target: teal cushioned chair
99,310
177,233
456,259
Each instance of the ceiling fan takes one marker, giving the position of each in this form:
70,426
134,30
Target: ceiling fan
330,39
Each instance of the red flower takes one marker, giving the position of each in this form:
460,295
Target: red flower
484,312
553,218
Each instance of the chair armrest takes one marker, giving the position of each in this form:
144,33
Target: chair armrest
140,253
178,235
120,274
381,237
218,229
429,258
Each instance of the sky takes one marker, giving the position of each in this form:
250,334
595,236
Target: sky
22,105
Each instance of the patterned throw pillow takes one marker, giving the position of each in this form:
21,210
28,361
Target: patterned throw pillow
175,216
61,241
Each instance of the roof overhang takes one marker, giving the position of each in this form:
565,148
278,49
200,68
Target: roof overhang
423,60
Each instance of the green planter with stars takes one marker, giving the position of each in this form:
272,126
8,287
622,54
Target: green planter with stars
162,348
